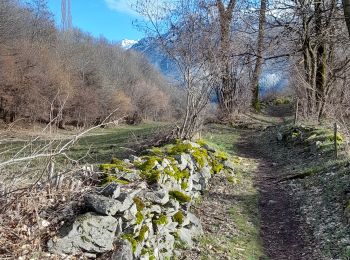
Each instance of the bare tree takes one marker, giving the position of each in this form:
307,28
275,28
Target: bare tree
225,91
182,33
259,53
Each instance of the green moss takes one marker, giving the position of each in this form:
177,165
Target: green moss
156,151
153,176
180,196
109,178
231,179
221,156
161,220
150,163
116,164
184,184
107,167
178,217
139,203
216,166
141,237
150,252
179,148
139,217
202,142
175,172
117,161
201,156
132,241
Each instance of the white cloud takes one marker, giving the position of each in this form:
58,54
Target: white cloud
124,6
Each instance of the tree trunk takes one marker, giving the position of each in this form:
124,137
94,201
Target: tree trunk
225,91
346,4
259,59
321,71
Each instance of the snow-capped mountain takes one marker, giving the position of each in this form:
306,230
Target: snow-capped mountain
127,44
151,49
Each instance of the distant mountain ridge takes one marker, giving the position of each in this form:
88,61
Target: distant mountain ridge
127,44
161,60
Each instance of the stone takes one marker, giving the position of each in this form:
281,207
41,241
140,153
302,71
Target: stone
193,219
129,214
89,232
185,237
159,197
125,201
123,251
133,158
229,165
193,144
166,163
112,190
173,204
185,161
102,204
209,148
130,176
206,173
165,246
155,209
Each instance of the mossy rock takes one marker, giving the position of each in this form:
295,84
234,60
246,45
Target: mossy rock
179,148
142,234
132,240
201,156
107,167
160,220
216,166
178,217
109,178
220,155
139,217
149,252
184,184
149,163
180,196
139,203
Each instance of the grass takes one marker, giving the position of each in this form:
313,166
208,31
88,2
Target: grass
104,144
98,146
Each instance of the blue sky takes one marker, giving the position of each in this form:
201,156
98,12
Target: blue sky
110,18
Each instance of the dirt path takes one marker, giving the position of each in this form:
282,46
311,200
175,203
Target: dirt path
283,233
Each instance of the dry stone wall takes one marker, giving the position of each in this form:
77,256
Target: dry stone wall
142,209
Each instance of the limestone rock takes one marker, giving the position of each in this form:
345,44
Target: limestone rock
123,251
125,201
159,197
89,233
102,204
130,176
129,214
185,161
111,190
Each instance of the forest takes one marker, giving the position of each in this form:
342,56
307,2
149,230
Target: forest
71,76
224,136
